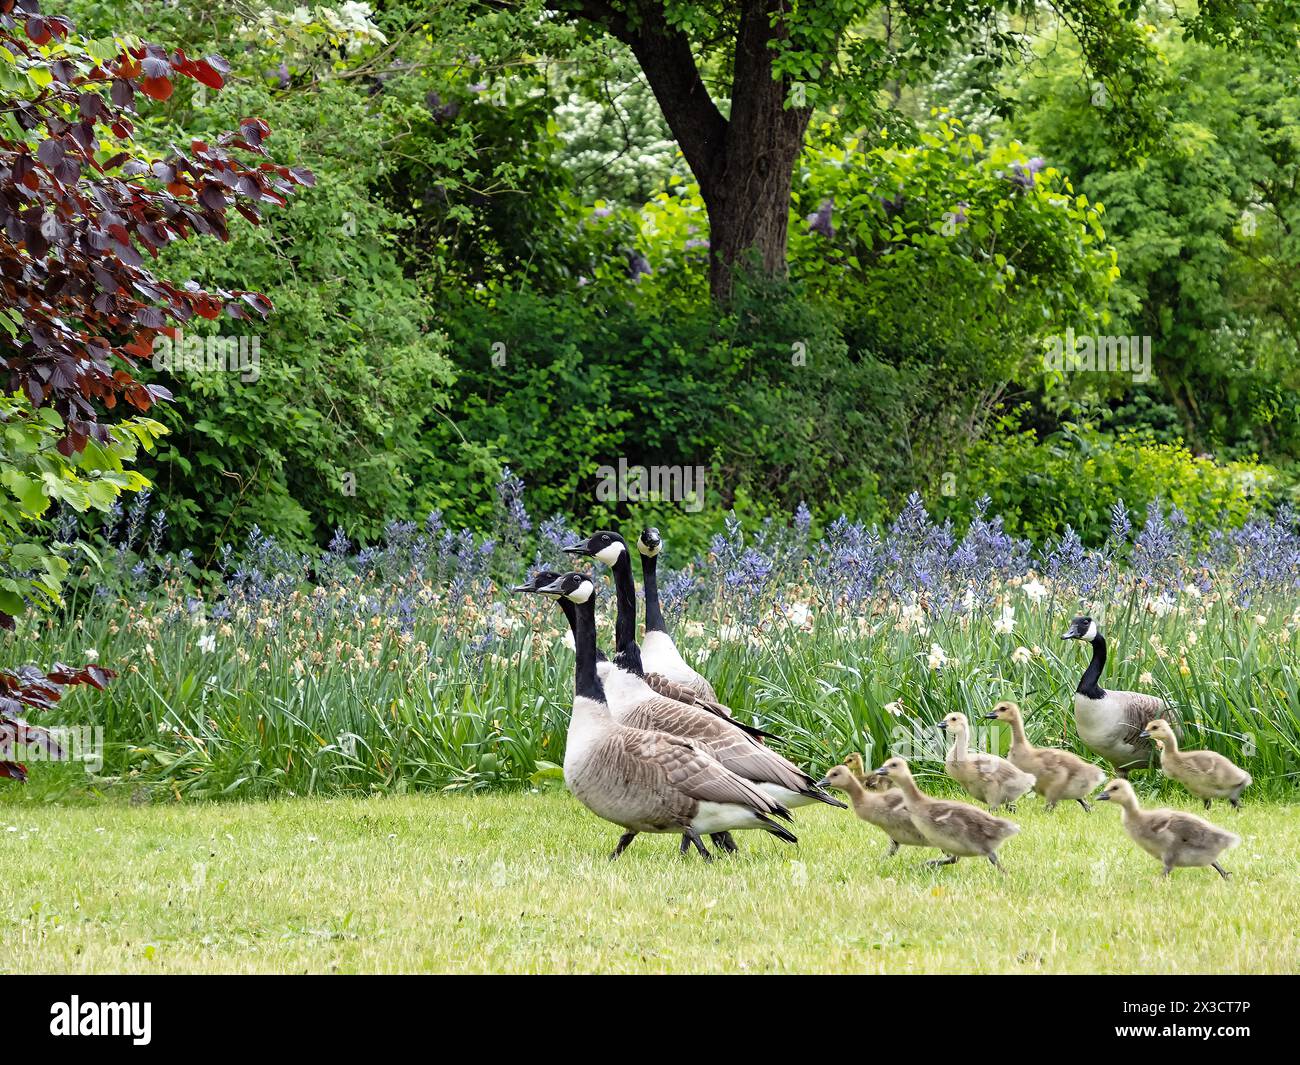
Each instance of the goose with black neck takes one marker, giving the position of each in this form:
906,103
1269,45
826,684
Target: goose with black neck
642,780
1111,723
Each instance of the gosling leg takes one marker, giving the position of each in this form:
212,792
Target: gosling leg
1085,804
893,848
996,864
723,842
623,841
694,838
1207,804
1220,870
950,860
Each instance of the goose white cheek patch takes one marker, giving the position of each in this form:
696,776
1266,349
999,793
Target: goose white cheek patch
1091,634
609,555
582,593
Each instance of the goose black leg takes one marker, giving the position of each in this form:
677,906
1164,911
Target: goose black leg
950,860
686,844
623,841
1220,870
996,864
1084,804
694,837
1207,804
723,842
1236,803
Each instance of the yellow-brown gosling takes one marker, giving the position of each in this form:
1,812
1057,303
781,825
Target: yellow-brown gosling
990,778
878,804
856,766
958,829
1057,774
1206,774
1176,838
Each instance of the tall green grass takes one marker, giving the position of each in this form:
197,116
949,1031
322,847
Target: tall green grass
298,698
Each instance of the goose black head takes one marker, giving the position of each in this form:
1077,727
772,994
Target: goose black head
537,581
649,542
573,586
606,547
1081,628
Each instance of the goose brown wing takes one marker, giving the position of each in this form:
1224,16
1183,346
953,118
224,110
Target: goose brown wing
725,740
1141,709
692,771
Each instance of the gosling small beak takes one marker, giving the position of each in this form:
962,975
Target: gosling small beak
992,715
880,772
1104,797
1144,734
824,783
943,726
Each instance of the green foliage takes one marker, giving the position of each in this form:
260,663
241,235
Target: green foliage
35,475
1076,474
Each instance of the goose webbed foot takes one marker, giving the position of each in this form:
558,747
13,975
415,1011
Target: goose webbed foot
950,860
1220,870
723,842
623,841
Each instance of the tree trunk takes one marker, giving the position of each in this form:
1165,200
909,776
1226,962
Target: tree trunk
744,164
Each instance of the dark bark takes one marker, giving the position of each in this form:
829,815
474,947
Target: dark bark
744,164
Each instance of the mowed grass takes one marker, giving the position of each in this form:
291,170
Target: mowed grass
520,883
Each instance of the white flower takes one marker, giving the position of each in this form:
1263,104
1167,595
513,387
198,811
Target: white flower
1022,656
207,644
694,629
913,614
1161,605
1147,679
567,640
91,654
1006,622
968,600
1260,619
1192,591
731,633
798,614
895,708
937,659
1035,590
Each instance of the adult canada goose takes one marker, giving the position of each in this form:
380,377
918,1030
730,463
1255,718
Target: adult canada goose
657,648
669,676
633,702
1111,723
958,829
646,781
1206,774
1176,838
878,804
990,778
1057,774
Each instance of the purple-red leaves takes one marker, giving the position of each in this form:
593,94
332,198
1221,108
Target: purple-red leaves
29,688
73,226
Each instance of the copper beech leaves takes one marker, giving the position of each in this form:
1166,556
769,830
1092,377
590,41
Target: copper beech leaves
83,212
28,688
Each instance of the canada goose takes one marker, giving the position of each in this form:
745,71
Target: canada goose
1206,774
633,702
990,778
958,829
1057,774
877,804
643,780
1111,723
657,648
1176,838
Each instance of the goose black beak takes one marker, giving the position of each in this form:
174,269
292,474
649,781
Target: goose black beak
556,587
523,588
577,549
1070,635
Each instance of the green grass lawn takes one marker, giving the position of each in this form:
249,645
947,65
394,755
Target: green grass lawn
520,883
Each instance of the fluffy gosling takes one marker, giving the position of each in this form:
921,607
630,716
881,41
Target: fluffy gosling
958,829
1206,774
990,778
1176,838
878,804
1057,774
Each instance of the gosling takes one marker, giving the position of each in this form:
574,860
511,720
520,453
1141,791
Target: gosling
878,804
958,829
990,778
1176,838
1057,774
856,766
1206,774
